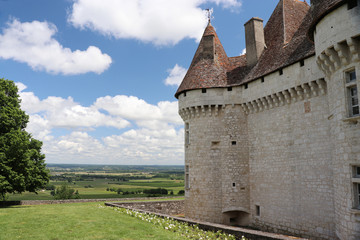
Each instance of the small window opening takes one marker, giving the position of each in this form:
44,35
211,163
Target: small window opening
281,72
246,85
257,210
232,220
262,79
187,177
203,90
187,134
352,4
229,89
184,94
233,184
233,143
302,63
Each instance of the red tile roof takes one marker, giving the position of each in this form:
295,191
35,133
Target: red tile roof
286,38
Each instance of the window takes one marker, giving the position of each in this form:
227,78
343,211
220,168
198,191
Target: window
203,90
233,143
281,72
352,94
352,4
302,63
356,186
233,184
184,94
262,79
187,134
257,209
246,85
187,181
229,89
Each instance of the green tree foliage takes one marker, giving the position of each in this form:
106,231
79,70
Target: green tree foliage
65,192
22,165
162,191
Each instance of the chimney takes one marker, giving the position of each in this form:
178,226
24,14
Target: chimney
255,41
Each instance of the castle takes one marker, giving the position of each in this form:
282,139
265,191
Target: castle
272,137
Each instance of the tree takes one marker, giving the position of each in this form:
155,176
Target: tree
65,192
22,165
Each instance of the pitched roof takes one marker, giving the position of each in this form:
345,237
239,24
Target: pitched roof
286,38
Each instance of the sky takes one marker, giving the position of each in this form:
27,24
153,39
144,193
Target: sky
98,78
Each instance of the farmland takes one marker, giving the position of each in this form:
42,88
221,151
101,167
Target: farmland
97,181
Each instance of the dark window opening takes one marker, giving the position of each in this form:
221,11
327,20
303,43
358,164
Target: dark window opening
246,85
233,184
233,142
257,210
302,63
184,94
232,220
203,90
352,4
229,89
262,79
281,72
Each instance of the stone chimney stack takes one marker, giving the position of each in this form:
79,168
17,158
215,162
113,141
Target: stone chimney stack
255,40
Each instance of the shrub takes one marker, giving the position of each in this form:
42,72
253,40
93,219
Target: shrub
181,192
162,191
50,187
65,192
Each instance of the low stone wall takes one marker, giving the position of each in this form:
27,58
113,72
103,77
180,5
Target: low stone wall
175,207
158,207
40,202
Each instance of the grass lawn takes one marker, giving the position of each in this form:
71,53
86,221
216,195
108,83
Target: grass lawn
75,221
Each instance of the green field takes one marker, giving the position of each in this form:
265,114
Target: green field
75,221
94,182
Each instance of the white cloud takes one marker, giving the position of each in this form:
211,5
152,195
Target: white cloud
243,52
176,75
145,115
155,137
161,22
33,43
56,112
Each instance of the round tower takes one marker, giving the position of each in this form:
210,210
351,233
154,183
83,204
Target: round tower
336,33
216,149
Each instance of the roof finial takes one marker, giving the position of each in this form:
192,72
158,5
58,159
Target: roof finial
209,14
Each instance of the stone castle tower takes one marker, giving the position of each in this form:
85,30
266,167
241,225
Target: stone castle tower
272,137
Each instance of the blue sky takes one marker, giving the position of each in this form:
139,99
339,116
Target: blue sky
98,77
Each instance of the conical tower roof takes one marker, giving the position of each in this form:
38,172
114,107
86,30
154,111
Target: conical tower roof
209,65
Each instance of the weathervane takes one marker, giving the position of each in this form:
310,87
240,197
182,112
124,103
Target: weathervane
209,14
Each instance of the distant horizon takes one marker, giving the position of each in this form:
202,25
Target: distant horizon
78,164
